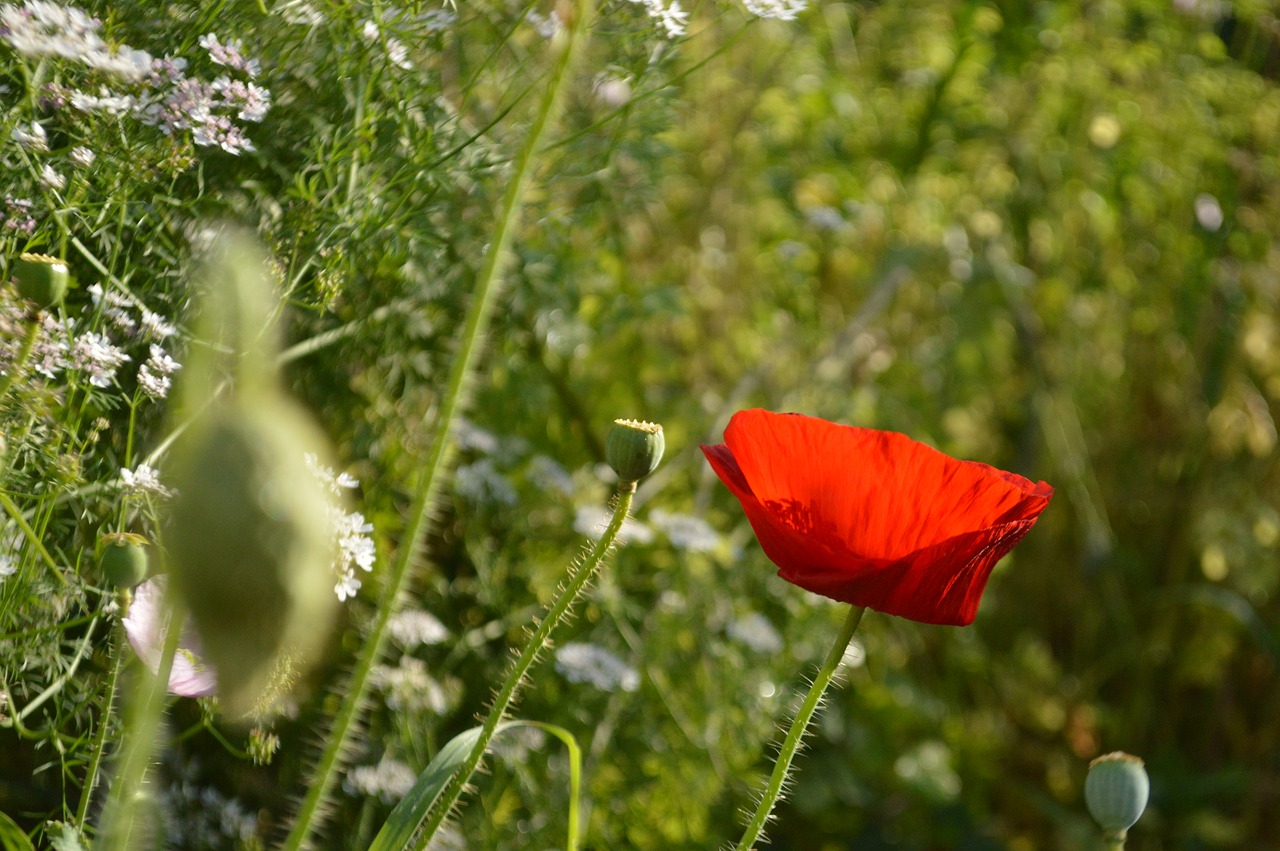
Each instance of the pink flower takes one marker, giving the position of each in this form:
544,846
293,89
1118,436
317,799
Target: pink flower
190,676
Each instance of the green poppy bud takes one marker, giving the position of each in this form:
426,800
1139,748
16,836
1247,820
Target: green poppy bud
250,542
633,449
41,279
123,559
1116,790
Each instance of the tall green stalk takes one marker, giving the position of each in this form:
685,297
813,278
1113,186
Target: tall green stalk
797,730
431,478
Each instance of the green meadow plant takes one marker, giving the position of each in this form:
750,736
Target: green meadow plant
324,522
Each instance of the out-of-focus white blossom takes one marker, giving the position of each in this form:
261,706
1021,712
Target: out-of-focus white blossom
143,481
32,136
579,662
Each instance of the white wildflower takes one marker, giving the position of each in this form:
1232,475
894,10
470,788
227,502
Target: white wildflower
355,548
82,156
94,354
388,781
589,663
114,307
39,28
229,54
32,137
144,481
8,567
157,326
756,632
396,51
1209,212
482,483
154,375
409,688
691,534
105,101
782,10
670,17
51,178
545,25
413,627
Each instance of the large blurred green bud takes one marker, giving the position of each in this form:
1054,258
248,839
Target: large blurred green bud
634,449
1116,790
41,279
248,534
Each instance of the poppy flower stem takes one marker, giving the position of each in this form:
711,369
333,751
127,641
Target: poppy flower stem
798,728
580,574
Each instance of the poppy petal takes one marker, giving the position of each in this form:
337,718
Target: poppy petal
874,518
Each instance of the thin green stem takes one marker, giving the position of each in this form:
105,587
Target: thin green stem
28,343
798,727
140,737
579,576
104,726
431,479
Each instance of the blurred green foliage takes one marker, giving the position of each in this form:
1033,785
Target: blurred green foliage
1039,235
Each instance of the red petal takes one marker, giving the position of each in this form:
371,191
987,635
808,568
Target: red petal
871,517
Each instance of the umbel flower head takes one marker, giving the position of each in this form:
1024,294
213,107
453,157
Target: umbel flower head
874,518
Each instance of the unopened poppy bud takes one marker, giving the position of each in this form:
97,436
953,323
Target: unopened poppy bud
250,542
633,449
41,279
1116,790
123,559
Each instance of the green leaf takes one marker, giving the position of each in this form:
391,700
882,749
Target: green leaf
11,836
413,808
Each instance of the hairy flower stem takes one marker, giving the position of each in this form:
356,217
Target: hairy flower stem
798,728
105,725
431,477
28,343
120,820
579,576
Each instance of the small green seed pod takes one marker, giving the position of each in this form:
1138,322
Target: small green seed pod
41,279
250,542
634,449
123,559
1116,790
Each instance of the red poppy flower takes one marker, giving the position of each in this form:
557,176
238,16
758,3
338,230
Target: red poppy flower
874,518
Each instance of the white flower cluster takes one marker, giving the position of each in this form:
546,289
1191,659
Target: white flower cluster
409,688
388,781
783,10
94,354
155,376
355,548
17,215
589,663
411,628
144,481
160,93
755,632
668,15
39,28
691,534
397,53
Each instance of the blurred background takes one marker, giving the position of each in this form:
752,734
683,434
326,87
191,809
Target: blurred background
1041,235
